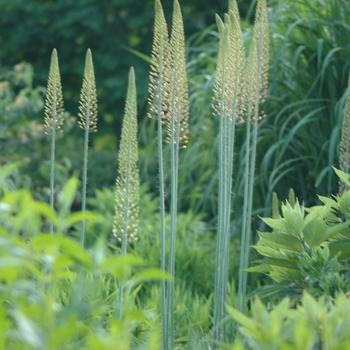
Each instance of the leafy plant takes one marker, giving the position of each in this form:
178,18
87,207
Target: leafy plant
257,82
169,104
306,249
227,107
313,324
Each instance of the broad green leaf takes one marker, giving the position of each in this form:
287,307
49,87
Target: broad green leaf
342,247
77,217
343,176
242,319
66,196
315,229
277,224
260,269
70,248
267,251
280,262
281,240
119,266
150,274
336,229
294,217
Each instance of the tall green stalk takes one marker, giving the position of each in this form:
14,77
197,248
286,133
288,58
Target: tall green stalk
257,80
158,105
88,122
127,190
251,76
53,118
177,130
344,147
227,107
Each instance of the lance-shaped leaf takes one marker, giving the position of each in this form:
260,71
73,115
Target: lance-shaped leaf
127,184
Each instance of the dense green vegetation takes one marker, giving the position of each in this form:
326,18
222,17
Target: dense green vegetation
156,258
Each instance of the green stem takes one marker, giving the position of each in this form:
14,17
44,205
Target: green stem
241,288
162,232
83,199
174,163
52,173
250,196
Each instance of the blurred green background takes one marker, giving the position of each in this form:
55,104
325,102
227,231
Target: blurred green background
298,141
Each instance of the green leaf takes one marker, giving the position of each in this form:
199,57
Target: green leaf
66,196
53,244
150,274
294,217
260,268
77,217
343,176
277,224
315,229
267,251
340,247
281,240
242,319
280,262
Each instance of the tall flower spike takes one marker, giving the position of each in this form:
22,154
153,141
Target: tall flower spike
127,184
228,108
54,100
158,101
88,122
53,117
159,81
261,34
88,97
344,154
177,118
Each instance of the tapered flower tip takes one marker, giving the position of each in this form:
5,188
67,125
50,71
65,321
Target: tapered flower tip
132,76
176,6
219,23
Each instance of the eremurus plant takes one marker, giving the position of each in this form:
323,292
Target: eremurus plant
127,189
169,105
256,81
53,117
158,87
228,108
88,122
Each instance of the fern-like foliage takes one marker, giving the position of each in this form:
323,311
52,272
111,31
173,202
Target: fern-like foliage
344,154
88,122
53,117
127,184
